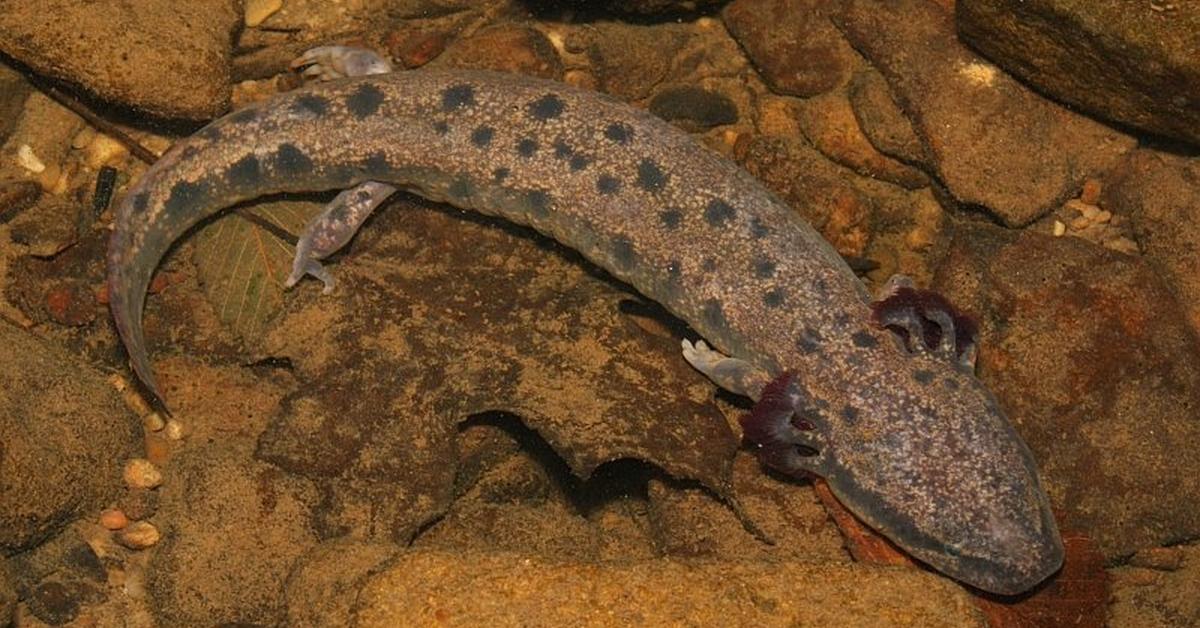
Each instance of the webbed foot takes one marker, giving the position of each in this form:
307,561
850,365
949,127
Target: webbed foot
326,63
926,322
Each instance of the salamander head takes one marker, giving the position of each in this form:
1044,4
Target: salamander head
915,445
943,476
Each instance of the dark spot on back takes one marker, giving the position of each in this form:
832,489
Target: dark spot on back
773,298
482,136
850,413
709,265
764,268
547,107
376,164
243,116
364,101
245,171
923,376
211,133
718,212
671,218
618,132
608,185
650,177
950,383
526,147
863,339
311,103
185,195
758,230
290,160
140,201
441,127
500,174
458,97
623,253
539,203
674,270
461,188
579,162
713,315
562,150
809,341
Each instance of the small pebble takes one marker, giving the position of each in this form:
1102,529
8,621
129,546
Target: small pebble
257,11
158,447
1124,245
1103,216
1089,211
1091,192
113,519
174,430
28,160
1080,223
1059,228
139,535
153,422
103,151
141,473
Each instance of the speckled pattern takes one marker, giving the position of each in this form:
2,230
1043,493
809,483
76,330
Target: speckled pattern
914,445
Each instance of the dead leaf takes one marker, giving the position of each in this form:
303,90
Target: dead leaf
242,265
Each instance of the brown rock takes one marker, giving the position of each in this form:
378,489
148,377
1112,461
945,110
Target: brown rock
8,595
427,588
167,59
546,341
508,47
63,435
882,121
993,142
139,535
237,527
1149,597
630,60
830,124
1099,373
1128,63
1160,193
792,43
322,587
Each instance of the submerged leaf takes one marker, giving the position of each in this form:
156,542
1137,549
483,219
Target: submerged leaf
242,264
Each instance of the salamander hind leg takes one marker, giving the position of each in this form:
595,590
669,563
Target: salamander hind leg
333,228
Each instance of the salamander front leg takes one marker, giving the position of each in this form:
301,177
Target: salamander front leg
332,229
737,376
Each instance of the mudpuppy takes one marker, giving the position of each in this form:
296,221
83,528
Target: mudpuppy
877,396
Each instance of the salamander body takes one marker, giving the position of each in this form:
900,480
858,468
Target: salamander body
881,402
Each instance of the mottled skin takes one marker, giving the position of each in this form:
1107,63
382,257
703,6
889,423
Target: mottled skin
909,441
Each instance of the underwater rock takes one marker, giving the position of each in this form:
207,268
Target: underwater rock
1135,63
164,58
